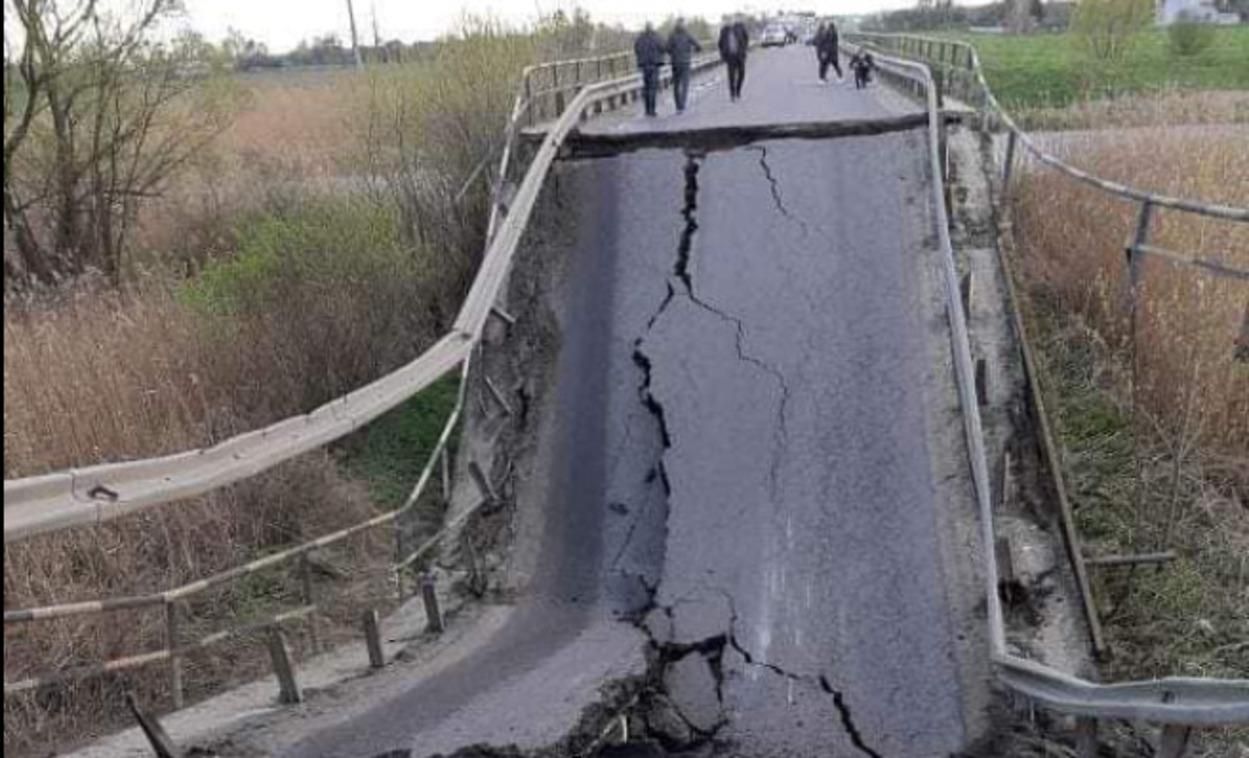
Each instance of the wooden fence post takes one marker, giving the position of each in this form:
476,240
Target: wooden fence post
172,642
433,614
309,598
1174,741
1086,737
156,735
288,688
1008,162
373,639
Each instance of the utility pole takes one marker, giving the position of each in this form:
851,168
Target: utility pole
355,38
379,51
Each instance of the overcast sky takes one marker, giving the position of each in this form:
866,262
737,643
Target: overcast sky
283,23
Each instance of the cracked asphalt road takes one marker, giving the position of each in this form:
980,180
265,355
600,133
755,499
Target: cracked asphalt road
793,376
741,441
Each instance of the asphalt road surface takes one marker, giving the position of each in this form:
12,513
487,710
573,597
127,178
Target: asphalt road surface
782,86
745,439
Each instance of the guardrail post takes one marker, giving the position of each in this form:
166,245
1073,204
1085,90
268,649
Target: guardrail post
446,474
175,660
156,735
1174,741
1241,351
288,688
433,614
1139,238
1086,737
306,589
529,99
373,639
1008,162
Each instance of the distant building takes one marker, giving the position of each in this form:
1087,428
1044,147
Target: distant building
1170,11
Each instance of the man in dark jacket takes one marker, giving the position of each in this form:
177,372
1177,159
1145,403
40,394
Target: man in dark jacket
649,49
734,40
681,48
826,46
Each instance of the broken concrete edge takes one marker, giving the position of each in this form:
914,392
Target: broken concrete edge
581,144
1005,246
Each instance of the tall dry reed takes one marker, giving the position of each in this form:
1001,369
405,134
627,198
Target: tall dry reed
1072,240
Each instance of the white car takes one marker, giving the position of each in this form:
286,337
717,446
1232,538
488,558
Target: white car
773,36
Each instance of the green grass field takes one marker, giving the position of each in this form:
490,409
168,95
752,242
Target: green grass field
1052,70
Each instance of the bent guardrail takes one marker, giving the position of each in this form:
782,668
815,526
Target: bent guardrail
1176,703
97,494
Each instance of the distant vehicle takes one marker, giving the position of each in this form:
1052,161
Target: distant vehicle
774,36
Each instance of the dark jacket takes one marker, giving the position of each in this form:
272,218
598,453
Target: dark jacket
649,49
826,43
733,32
681,47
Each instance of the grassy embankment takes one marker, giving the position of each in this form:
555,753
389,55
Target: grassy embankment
315,248
1048,83
1165,467
1048,70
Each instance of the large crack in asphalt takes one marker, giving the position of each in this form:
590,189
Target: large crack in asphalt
712,648
682,275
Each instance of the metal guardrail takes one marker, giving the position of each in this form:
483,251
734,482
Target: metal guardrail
100,493
1177,703
115,489
95,494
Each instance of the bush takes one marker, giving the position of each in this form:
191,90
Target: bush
1187,36
334,288
1107,29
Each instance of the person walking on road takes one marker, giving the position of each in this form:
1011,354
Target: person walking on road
649,50
819,49
826,46
681,49
734,40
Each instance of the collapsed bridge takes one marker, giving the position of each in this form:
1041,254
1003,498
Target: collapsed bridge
750,480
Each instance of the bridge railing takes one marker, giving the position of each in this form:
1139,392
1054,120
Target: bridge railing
94,495
1176,703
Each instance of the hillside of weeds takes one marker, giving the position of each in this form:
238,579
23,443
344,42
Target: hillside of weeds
325,238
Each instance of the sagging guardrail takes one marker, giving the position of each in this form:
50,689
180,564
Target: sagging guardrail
97,494
1176,703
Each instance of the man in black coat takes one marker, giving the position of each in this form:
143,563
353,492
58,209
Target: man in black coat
826,45
734,40
681,49
649,50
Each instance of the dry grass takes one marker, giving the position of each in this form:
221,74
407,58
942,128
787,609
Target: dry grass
1169,107
1072,239
1166,467
315,248
100,376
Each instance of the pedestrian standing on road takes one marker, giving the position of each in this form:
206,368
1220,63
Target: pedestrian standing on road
734,40
828,52
681,49
819,49
649,50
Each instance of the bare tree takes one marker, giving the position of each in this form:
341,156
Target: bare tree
106,117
